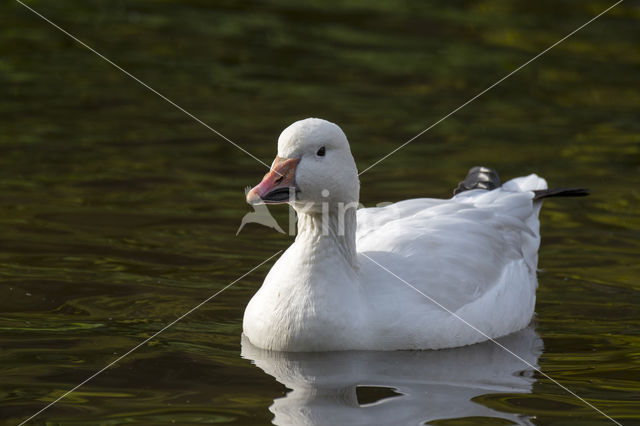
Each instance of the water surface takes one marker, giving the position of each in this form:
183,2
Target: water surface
118,212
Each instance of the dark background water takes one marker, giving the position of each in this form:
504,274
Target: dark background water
118,212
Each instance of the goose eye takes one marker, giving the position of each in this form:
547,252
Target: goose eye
320,152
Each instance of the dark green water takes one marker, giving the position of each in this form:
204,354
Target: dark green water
118,212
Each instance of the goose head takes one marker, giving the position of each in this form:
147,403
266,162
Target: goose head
314,165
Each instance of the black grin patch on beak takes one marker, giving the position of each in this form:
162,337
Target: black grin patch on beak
280,195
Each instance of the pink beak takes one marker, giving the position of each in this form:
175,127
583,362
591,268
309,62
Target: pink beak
278,186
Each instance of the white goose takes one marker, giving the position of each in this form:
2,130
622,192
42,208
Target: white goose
346,282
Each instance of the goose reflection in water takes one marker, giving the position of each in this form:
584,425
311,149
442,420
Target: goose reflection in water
399,387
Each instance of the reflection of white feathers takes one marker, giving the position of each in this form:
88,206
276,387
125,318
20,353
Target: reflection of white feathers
260,215
432,384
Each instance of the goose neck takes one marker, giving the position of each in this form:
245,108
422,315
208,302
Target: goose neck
332,233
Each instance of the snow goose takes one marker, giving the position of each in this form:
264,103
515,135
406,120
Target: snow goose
411,275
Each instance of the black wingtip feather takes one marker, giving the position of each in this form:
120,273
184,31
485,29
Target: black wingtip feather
560,192
479,177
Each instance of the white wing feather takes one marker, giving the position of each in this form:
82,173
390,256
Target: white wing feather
463,253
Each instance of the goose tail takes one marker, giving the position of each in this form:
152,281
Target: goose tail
485,178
